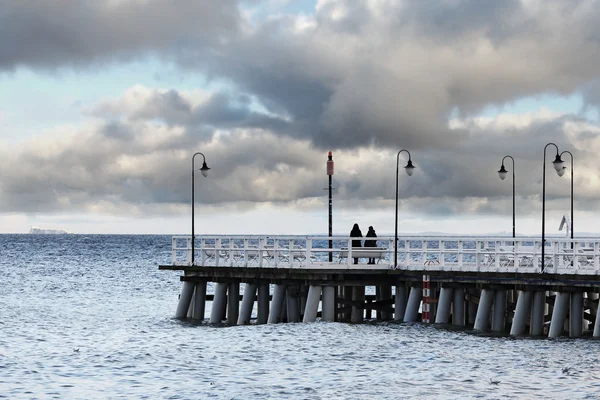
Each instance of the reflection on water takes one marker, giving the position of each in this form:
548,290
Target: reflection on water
90,317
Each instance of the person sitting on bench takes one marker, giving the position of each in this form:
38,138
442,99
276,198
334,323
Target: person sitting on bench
355,232
371,243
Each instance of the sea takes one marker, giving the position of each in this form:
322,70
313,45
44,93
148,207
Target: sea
91,317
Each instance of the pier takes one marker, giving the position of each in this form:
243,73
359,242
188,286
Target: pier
489,284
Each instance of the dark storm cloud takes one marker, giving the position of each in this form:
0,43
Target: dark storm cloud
59,33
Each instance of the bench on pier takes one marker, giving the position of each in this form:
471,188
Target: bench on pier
363,252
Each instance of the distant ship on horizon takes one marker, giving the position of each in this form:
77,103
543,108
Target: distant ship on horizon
40,231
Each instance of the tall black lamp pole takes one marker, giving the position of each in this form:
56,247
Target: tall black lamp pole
503,172
204,171
558,164
409,168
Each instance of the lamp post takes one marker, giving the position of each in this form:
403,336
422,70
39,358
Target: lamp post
409,168
204,171
558,164
561,173
502,173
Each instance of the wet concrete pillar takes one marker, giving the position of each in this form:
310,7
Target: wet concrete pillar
262,316
538,312
219,303
291,302
247,304
576,315
277,304
358,296
458,307
386,294
312,304
483,311
400,303
522,313
412,307
328,306
348,290
187,291
559,313
199,301
445,301
498,320
233,303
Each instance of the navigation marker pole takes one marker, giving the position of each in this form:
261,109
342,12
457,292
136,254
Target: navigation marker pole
330,174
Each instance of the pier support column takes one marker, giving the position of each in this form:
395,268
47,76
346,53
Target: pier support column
348,296
458,309
199,301
219,303
277,304
184,300
538,312
576,315
312,304
292,304
521,313
443,312
233,303
328,306
358,296
559,313
597,323
400,303
483,311
412,307
471,306
247,304
386,294
263,303
498,320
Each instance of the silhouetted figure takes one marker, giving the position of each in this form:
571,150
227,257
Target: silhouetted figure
371,243
355,232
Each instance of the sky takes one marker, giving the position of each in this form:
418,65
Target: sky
104,102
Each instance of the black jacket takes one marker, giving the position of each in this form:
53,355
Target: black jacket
355,232
371,243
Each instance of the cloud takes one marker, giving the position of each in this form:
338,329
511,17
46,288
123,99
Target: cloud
140,163
358,73
64,33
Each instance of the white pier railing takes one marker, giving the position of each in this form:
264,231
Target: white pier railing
422,253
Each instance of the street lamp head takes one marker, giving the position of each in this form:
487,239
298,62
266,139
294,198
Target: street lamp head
204,169
558,163
502,172
562,171
409,168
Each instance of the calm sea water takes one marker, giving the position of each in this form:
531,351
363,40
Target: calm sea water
90,317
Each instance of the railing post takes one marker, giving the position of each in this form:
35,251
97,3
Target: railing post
459,256
291,253
555,255
390,252
217,251
173,251
261,249
245,252
275,251
308,250
349,251
407,259
188,251
596,257
441,245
